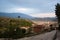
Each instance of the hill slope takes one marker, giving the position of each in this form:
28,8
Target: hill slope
15,15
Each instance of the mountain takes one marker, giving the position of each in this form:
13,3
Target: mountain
45,19
22,15
15,15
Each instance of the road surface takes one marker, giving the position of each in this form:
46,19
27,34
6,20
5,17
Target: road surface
45,36
58,35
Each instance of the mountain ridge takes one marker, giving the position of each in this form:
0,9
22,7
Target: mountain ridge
25,16
15,15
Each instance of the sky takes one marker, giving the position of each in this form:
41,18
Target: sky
35,8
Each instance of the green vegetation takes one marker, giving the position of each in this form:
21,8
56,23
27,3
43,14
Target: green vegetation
11,27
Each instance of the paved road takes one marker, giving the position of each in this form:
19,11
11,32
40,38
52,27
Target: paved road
58,35
46,36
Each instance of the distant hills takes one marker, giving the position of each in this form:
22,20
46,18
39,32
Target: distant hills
15,15
45,19
25,16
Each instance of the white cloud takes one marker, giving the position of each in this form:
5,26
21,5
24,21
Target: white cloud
23,10
43,15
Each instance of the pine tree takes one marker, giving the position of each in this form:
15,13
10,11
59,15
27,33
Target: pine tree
57,11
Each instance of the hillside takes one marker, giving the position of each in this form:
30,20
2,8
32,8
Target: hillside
6,23
15,15
13,27
14,21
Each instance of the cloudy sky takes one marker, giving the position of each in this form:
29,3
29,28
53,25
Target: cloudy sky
36,8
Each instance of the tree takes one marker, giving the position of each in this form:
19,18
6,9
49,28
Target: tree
18,16
57,11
